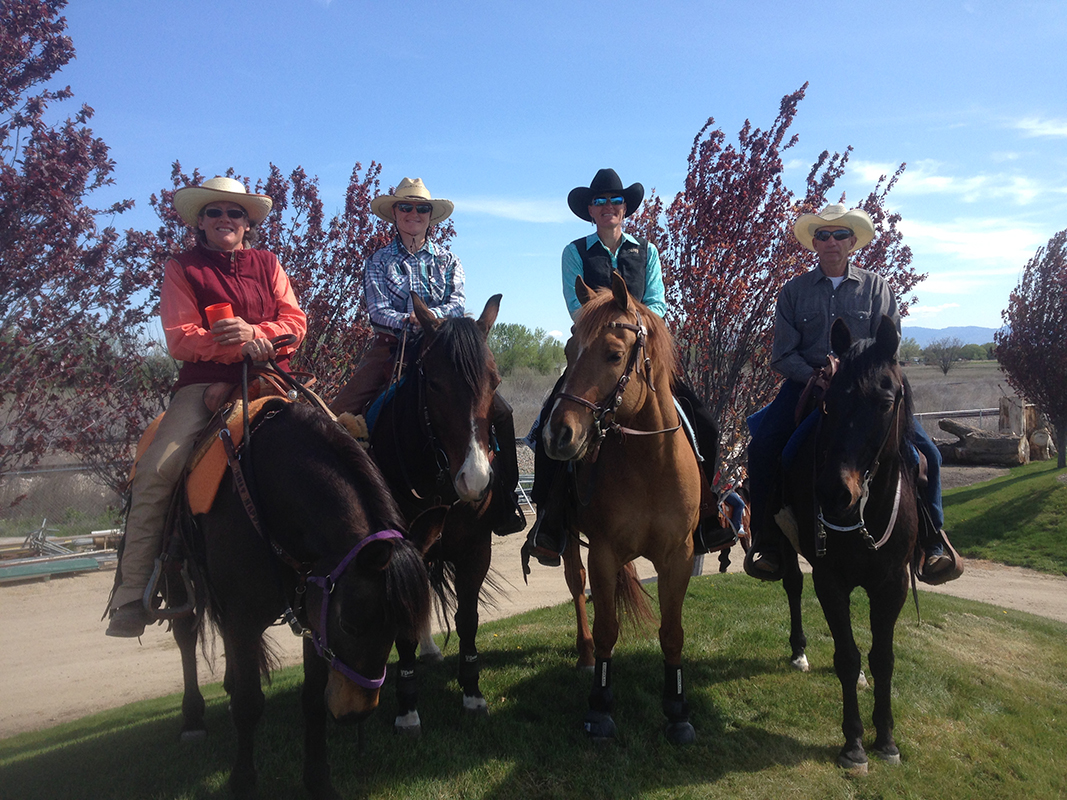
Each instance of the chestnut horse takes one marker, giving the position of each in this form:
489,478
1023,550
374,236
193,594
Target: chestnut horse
313,540
850,509
637,483
434,445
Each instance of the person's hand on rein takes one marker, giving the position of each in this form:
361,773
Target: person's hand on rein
258,349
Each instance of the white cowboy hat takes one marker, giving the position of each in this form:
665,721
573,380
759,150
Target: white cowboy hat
412,191
857,220
189,200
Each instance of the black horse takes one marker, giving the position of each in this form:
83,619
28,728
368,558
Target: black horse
434,444
315,540
850,509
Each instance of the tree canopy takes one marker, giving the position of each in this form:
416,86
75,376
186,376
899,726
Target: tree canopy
517,347
1032,349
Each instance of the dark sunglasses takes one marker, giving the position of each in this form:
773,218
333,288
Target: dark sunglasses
232,213
824,236
406,208
603,201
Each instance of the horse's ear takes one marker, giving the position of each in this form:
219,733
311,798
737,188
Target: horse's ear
488,317
887,338
427,319
425,529
840,337
618,289
376,556
585,294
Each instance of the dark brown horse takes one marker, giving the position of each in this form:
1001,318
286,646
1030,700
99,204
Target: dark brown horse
637,483
850,509
434,444
314,540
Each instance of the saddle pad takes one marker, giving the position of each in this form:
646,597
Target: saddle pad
376,407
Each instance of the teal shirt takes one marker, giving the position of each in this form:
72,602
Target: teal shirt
572,268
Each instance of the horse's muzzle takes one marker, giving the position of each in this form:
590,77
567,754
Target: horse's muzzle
348,702
563,441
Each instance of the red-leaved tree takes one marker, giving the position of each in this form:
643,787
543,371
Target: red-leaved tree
727,250
71,301
1032,349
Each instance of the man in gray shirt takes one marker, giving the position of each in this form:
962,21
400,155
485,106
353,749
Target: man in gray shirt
807,308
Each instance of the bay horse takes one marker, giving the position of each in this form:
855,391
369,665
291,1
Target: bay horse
638,487
850,509
313,539
434,445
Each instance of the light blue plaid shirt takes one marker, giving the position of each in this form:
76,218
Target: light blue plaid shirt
393,273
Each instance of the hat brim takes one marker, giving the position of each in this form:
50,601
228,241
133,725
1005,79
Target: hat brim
382,207
580,197
189,200
855,220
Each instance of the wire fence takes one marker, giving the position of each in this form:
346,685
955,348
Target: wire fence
64,499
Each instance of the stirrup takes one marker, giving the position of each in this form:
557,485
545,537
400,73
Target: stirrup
160,612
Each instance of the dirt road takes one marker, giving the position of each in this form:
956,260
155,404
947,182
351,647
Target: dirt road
57,665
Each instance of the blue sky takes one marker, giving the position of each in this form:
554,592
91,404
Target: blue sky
503,107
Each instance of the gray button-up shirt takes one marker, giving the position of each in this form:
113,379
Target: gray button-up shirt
807,308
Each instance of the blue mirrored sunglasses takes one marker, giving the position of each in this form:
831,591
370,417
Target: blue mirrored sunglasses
603,201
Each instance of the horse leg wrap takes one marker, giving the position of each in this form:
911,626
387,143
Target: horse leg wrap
407,689
675,707
468,672
601,698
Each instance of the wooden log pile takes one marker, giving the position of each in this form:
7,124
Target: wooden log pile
975,446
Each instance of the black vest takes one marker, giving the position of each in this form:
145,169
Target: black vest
632,265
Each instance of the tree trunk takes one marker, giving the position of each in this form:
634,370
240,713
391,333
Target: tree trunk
976,446
1060,426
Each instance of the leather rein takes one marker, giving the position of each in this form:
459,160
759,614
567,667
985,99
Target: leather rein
301,568
609,406
865,492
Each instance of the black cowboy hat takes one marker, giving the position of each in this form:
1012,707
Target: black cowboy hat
605,180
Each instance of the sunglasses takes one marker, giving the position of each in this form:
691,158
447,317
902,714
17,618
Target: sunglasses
603,201
232,213
824,236
407,208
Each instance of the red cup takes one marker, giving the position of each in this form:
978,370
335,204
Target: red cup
218,311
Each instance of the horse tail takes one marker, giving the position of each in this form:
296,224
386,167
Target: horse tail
632,600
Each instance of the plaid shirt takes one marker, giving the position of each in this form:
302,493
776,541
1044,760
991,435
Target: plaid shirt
393,273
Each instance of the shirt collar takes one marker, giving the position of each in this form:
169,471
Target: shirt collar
593,238
427,246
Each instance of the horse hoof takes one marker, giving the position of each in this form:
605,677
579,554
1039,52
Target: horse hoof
193,736
599,726
888,755
861,681
800,663
854,759
408,725
680,733
475,706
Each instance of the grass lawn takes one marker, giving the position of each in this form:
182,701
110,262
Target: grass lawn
980,701
1018,519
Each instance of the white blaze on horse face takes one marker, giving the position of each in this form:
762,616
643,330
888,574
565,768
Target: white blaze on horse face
472,480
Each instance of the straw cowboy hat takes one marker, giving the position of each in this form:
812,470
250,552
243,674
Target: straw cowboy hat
189,201
605,180
855,220
412,191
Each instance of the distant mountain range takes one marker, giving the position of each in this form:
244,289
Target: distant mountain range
967,334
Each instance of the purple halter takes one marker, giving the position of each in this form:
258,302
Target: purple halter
327,583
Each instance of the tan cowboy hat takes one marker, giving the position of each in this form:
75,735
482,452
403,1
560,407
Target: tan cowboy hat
189,201
856,220
412,191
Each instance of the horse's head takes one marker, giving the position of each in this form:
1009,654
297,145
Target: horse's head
619,354
457,379
379,593
865,413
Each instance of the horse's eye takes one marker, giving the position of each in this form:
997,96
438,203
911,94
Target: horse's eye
615,357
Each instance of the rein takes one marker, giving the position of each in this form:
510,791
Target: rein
865,492
609,406
302,569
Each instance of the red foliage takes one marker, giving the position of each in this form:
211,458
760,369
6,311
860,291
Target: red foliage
1032,349
68,289
727,250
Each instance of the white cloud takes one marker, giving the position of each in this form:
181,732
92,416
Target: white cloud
519,210
924,177
1034,126
558,335
918,313
993,247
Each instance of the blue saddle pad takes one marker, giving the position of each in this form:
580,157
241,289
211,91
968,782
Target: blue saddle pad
376,407
795,441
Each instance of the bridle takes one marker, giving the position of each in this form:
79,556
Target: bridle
301,568
865,491
604,411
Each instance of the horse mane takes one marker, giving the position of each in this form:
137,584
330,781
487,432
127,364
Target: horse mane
659,344
464,345
369,481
